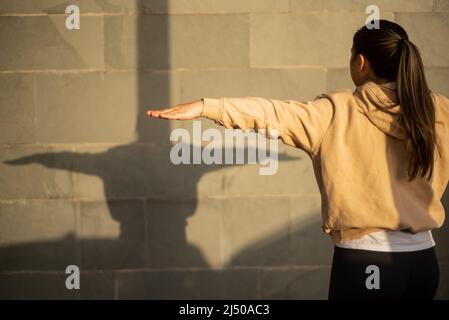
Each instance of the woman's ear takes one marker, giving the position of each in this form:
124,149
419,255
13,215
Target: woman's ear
362,63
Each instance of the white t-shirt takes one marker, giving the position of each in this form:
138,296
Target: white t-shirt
391,241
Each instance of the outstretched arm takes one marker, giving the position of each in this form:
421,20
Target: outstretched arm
299,124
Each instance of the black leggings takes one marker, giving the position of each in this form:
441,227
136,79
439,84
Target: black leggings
363,274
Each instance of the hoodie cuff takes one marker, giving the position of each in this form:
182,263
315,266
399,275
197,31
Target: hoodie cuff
211,108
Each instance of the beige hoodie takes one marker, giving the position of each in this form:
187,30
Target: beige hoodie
357,147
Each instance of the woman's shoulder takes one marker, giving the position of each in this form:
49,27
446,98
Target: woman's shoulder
440,97
441,103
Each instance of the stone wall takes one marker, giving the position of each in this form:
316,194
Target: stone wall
86,178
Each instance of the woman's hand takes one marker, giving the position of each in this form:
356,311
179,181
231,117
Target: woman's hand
185,111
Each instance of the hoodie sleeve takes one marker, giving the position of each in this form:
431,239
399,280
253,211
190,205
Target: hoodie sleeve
299,124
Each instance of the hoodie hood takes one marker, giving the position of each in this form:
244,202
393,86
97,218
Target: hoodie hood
380,104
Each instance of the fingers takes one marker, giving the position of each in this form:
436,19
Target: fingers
156,113
169,114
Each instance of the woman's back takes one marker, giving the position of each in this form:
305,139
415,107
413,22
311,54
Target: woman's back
361,167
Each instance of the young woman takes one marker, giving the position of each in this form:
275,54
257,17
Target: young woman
380,156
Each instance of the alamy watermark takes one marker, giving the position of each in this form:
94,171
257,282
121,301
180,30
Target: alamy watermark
72,22
72,282
373,280
189,150
372,22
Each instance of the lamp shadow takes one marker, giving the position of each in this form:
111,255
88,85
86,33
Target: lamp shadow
141,186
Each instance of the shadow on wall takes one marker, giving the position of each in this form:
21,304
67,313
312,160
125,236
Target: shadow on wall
148,196
136,178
